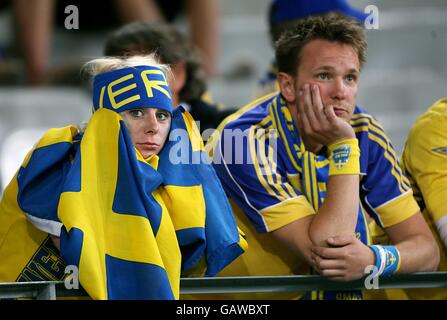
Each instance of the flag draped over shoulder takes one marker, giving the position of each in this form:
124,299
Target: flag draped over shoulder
200,211
130,225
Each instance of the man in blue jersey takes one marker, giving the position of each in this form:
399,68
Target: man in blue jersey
306,168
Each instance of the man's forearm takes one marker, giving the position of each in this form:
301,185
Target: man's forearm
338,214
418,254
417,247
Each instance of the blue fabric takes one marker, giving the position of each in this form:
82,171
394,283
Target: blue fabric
135,280
219,237
71,245
70,182
285,10
41,183
392,260
142,87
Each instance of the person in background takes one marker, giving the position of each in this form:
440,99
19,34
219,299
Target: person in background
188,85
424,159
36,20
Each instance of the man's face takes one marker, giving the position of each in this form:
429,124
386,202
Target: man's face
335,69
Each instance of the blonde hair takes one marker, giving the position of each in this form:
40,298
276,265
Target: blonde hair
101,65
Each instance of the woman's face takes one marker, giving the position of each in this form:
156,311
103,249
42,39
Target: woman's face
148,128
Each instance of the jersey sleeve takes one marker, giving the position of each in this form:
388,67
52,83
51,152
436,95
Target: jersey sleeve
385,191
425,159
252,174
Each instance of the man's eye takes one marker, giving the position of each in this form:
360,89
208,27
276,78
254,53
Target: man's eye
136,113
323,76
351,78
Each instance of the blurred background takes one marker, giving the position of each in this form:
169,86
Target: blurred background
406,70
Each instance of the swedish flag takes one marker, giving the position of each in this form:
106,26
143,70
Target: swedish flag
130,225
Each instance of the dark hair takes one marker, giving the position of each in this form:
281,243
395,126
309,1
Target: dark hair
170,45
333,27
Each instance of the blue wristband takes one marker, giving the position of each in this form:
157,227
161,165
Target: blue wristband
392,261
378,257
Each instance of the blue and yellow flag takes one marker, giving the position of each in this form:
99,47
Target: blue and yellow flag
131,225
191,186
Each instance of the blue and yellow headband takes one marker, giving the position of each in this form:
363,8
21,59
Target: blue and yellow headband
132,88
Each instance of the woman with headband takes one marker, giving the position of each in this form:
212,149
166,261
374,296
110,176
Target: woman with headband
130,201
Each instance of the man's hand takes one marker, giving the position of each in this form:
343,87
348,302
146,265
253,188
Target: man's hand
344,260
319,122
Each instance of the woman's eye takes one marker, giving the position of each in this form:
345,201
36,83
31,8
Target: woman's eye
162,115
136,113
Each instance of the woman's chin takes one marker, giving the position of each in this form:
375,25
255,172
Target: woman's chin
147,155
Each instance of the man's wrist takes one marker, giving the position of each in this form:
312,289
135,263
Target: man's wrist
387,259
344,157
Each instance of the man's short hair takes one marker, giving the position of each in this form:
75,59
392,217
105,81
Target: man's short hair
332,27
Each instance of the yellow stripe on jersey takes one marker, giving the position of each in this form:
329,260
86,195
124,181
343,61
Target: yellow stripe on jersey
274,115
377,128
403,204
286,212
252,140
315,191
263,123
396,170
322,186
320,164
310,180
215,137
295,181
266,165
368,233
272,161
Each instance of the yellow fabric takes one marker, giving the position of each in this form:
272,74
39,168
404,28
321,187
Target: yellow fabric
106,232
194,134
438,293
404,204
102,233
265,256
425,161
19,231
286,212
350,151
17,261
176,197
428,168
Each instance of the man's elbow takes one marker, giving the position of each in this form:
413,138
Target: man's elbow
434,256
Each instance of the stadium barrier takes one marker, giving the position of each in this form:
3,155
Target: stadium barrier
50,290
